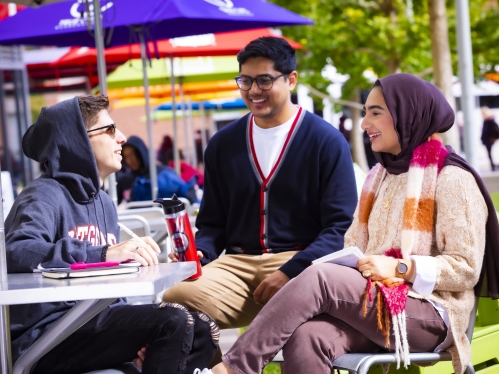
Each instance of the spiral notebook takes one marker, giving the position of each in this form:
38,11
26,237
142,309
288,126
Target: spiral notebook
64,273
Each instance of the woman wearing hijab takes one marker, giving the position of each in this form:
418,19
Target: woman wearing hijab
423,222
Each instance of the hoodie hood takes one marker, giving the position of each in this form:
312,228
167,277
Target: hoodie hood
59,142
140,146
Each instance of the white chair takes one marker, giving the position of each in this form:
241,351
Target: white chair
136,223
7,193
157,225
139,204
154,217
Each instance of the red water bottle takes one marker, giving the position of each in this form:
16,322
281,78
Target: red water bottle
180,232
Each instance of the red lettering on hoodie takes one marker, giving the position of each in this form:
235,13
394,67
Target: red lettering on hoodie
92,234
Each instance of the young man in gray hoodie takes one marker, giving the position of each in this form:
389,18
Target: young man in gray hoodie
64,217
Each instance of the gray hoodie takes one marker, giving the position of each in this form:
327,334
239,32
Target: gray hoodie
58,219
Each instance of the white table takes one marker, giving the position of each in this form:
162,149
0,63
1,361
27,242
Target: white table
94,293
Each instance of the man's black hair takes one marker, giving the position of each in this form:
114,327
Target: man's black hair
275,49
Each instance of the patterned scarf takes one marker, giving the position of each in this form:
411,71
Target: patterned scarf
426,162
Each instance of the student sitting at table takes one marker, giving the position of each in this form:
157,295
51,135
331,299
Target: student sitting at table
64,217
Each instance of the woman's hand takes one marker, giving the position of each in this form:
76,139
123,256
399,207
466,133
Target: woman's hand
133,249
382,267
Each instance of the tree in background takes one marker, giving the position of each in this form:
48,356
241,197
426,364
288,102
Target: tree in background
484,18
385,37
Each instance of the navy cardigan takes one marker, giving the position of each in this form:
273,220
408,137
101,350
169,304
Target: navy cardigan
305,204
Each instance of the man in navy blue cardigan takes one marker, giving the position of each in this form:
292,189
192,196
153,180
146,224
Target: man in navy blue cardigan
279,193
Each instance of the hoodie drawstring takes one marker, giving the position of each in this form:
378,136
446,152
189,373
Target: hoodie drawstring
104,215
97,219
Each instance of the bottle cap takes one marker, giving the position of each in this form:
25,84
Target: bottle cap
171,206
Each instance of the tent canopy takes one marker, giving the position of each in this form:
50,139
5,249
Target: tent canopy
483,88
191,69
165,90
221,44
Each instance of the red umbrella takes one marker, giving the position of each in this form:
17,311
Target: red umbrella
221,44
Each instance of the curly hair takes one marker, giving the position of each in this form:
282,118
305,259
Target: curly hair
90,106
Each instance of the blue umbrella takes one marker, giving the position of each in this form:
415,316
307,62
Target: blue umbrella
219,104
65,23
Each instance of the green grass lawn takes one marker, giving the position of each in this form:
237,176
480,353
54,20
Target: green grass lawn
272,369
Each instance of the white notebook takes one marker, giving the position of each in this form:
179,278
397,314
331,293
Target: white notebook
91,272
347,257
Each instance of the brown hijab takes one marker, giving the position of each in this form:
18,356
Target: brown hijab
419,110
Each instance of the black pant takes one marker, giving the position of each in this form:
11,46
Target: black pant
177,341
489,152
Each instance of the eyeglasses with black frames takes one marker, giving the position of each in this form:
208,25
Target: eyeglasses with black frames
264,82
110,129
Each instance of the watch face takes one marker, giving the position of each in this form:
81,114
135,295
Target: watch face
402,268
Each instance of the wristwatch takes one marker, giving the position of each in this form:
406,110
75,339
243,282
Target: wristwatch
401,269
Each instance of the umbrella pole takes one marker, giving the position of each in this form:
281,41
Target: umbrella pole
212,123
192,141
174,118
5,348
101,70
204,140
152,153
187,149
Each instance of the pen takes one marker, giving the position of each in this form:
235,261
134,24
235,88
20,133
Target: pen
132,234
82,265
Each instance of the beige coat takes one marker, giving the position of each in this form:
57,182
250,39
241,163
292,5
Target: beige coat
458,243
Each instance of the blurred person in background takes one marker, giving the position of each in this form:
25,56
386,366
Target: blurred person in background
199,146
165,155
165,150
343,130
490,133
136,159
187,171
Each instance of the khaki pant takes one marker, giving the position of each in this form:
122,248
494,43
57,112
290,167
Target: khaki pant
225,289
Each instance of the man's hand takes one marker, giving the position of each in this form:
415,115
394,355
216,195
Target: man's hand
133,249
269,287
141,356
174,256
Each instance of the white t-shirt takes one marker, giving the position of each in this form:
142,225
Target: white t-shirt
268,143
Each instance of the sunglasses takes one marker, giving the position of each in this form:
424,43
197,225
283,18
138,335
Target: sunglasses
110,129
